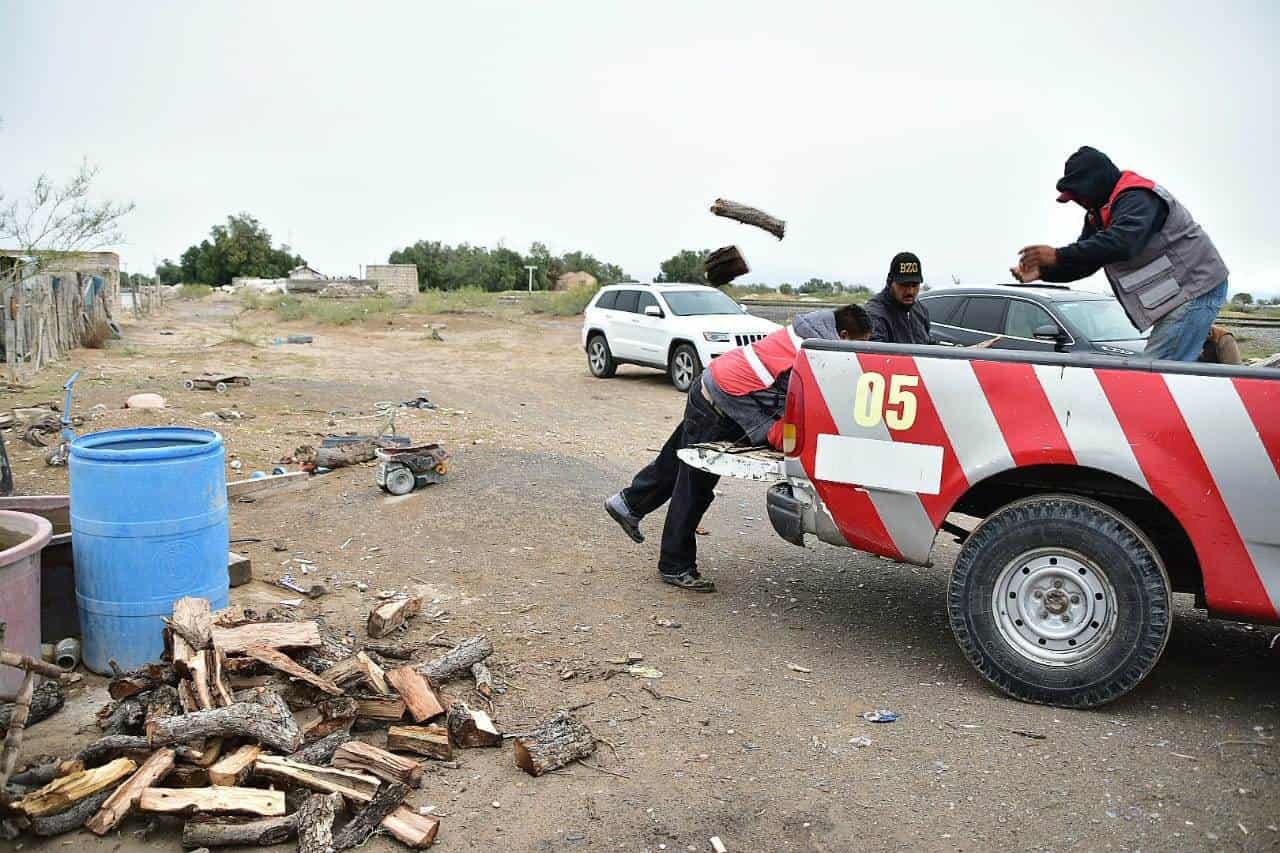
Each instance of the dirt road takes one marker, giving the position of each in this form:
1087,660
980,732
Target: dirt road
742,746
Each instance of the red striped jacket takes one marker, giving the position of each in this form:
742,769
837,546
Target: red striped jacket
756,366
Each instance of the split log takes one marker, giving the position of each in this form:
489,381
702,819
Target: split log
431,741
112,745
282,663
360,756
187,697
471,727
724,265
17,725
20,661
380,707
124,798
242,719
369,818
187,776
411,829
235,616
390,615
394,651
199,669
61,794
231,770
315,823
358,667
321,752
749,216
484,679
162,701
191,801
326,780
202,756
125,717
144,679
42,774
553,744
218,678
273,635
46,700
190,630
71,819
229,832
419,695
330,715
458,659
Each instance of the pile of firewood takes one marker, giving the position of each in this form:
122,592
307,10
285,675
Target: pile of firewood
257,728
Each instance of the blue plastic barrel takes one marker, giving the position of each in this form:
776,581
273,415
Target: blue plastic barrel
148,526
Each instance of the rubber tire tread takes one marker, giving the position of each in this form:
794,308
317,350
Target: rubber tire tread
1108,539
610,366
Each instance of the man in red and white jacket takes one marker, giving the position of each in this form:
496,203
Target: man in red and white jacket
741,396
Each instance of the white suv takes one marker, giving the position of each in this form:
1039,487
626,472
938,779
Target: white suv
678,328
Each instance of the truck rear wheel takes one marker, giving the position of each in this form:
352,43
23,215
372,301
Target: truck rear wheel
1060,600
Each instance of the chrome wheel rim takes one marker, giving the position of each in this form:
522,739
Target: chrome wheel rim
595,356
682,370
1054,607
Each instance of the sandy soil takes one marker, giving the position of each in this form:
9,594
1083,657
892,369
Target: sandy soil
515,546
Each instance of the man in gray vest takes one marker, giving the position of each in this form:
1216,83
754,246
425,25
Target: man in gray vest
1163,267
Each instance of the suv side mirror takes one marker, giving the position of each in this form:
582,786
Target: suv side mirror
652,311
1048,332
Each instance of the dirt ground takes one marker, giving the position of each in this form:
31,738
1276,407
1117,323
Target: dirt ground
515,546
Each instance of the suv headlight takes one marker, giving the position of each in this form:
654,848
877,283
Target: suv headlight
717,337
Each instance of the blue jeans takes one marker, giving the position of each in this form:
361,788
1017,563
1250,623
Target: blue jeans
1180,334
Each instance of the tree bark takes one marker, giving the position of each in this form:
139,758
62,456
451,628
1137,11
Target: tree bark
484,679
46,700
124,717
553,744
749,216
142,680
226,832
103,747
315,823
470,727
242,719
458,659
126,797
72,818
724,265
321,752
369,818
281,663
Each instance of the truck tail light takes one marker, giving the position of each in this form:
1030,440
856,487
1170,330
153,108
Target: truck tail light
793,417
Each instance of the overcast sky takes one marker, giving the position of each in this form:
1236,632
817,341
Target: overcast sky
352,129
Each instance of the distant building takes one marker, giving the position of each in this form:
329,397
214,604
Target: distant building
574,279
305,272
103,265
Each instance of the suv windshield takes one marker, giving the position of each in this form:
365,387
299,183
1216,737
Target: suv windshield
1100,320
685,303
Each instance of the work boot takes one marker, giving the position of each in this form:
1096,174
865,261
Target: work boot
616,506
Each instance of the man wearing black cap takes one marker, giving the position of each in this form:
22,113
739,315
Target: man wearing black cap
896,315
1163,267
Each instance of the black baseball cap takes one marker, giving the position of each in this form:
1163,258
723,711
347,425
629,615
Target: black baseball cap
905,269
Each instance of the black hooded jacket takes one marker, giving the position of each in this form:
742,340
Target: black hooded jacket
1136,215
895,323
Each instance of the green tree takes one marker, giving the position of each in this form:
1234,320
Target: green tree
168,272
241,247
786,289
1243,299
684,266
445,267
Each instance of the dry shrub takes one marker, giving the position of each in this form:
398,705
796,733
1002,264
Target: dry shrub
97,335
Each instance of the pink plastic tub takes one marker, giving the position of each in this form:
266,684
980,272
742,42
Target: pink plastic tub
22,537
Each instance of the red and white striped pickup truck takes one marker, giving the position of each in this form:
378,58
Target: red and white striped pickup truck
1102,486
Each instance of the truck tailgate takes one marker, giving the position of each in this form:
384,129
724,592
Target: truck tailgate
725,459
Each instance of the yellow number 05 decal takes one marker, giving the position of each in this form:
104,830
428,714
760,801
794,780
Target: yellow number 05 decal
869,405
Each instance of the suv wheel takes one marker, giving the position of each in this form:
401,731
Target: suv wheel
685,367
1061,601
600,358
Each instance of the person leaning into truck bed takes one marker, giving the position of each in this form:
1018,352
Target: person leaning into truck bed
897,317
742,394
1163,267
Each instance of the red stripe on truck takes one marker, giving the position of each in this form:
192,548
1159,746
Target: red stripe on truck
1030,428
1259,397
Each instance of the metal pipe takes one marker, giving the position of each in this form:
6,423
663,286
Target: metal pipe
67,653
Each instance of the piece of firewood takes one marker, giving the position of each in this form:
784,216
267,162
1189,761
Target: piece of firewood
190,631
484,679
749,216
17,724
358,667
431,741
71,819
411,829
142,680
380,707
231,770
199,671
724,265
419,695
394,651
553,744
112,746
363,757
124,798
327,780
162,701
202,755
458,659
229,832
315,823
321,751
187,696
368,819
273,635
390,615
471,727
243,719
218,682
329,716
187,776
46,700
62,793
190,801
236,615
21,661
281,662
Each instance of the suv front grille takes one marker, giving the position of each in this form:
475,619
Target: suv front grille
743,340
